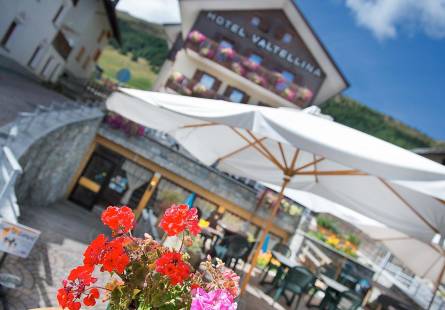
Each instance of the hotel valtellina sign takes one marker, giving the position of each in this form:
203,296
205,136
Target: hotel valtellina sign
264,43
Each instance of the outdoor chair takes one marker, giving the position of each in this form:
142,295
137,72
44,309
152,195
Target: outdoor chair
298,281
232,248
282,249
329,271
349,300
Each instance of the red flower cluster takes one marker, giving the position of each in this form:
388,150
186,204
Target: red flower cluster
171,265
78,281
110,254
120,220
176,219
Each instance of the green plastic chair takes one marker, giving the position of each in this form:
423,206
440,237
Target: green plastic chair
349,300
282,249
298,281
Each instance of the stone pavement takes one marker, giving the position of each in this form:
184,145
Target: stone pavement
66,230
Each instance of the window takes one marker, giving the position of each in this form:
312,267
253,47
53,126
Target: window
61,45
8,34
289,76
56,67
80,54
207,80
256,58
236,95
255,21
35,58
225,44
45,68
58,15
287,38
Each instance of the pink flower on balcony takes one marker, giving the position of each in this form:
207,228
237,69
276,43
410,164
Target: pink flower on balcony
305,94
207,51
289,94
257,79
238,68
199,89
177,77
226,53
279,78
251,65
196,36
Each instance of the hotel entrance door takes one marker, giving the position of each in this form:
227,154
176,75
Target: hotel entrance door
94,178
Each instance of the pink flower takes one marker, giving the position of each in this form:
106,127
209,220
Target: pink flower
213,300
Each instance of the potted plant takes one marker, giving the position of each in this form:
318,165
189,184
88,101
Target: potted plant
238,68
206,49
199,89
225,54
250,65
289,94
257,78
144,274
305,94
196,37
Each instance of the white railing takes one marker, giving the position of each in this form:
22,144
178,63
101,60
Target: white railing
9,171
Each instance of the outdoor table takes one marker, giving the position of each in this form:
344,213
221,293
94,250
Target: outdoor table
285,262
210,233
332,292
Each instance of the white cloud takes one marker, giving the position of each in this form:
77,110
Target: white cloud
158,11
385,17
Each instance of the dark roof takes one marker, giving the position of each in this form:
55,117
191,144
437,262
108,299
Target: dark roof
112,19
430,150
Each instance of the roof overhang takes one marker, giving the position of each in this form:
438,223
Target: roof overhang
335,81
112,20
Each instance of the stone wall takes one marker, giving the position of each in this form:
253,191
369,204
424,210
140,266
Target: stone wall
50,163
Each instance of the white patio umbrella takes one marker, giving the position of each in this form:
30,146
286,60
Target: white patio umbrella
297,150
425,259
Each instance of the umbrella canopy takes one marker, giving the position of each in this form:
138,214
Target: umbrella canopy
426,260
298,150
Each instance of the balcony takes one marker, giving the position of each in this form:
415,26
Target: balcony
242,66
188,87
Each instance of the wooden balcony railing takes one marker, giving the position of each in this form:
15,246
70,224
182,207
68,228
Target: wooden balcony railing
241,65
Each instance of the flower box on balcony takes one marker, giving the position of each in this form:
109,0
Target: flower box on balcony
196,36
238,68
257,79
225,54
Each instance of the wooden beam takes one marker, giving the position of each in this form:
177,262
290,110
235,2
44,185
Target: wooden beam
315,167
308,164
255,145
280,146
181,181
248,145
406,203
331,173
268,152
294,160
200,125
149,191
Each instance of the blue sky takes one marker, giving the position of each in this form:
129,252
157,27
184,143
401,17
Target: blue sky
391,51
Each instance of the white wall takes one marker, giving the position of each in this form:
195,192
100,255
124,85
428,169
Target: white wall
35,28
83,26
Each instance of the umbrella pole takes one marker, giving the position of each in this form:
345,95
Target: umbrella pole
439,280
275,207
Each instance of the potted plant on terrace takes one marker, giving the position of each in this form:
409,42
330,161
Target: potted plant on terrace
144,273
196,37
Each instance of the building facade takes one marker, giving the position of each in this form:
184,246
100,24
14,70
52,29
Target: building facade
256,52
47,38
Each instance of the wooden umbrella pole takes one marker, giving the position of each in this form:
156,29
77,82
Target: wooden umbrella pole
275,208
437,284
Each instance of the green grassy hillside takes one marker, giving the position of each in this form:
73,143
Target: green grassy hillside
356,115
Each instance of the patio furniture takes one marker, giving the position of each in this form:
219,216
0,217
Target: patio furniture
298,280
232,248
332,293
298,149
281,254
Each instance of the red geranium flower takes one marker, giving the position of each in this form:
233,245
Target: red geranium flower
90,300
77,282
110,254
120,220
178,218
171,265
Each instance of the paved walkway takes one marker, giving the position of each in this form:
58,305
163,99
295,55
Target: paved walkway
66,230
